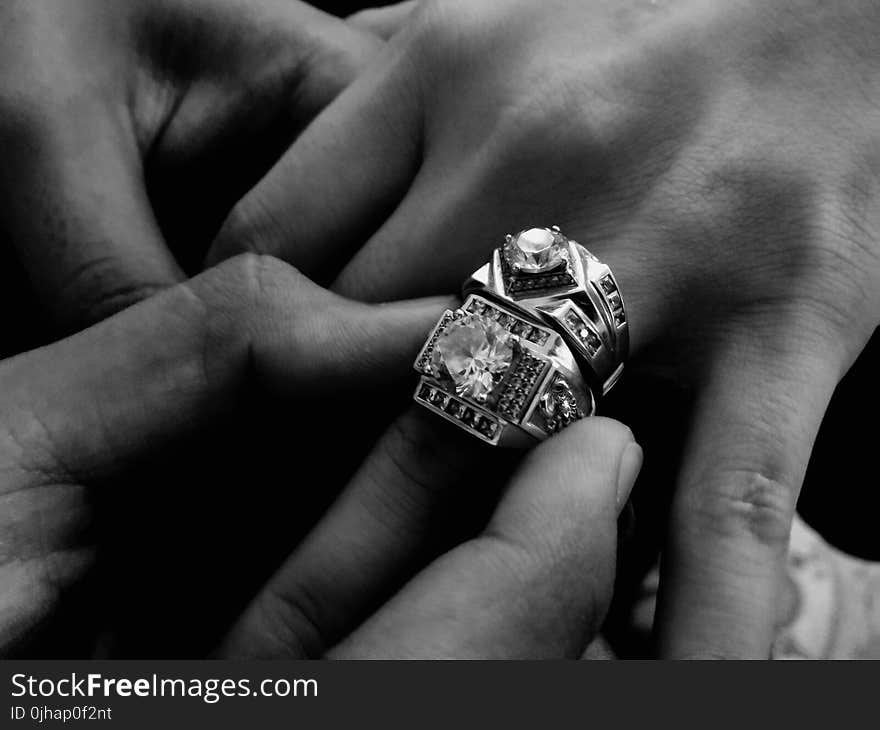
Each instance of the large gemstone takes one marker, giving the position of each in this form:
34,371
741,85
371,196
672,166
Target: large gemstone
474,352
536,250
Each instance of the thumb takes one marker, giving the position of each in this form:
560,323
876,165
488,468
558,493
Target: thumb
88,405
537,582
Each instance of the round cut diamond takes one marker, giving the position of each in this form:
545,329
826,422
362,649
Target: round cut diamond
475,353
536,250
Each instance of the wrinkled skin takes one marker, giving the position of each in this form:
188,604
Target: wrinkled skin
362,579
129,128
722,157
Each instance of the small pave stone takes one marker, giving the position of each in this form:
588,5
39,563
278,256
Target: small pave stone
454,408
487,428
539,336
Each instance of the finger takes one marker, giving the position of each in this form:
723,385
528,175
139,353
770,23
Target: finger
384,21
751,440
431,223
170,365
411,497
454,214
263,70
538,580
338,181
76,211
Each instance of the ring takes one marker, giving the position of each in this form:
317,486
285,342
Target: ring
561,282
499,373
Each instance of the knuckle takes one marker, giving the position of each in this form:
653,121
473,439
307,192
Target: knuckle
251,280
533,118
248,292
632,107
288,618
548,126
408,448
547,108
541,130
101,287
747,502
232,294
226,306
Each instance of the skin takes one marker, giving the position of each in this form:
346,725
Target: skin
722,157
144,525
128,129
378,573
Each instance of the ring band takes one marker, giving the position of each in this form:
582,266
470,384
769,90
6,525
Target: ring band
582,335
501,374
605,284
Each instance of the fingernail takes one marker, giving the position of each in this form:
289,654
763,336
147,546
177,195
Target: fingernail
630,464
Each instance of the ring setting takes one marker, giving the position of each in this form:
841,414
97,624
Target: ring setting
560,282
541,336
500,375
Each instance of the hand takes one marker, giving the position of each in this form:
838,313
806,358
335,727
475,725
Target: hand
535,583
128,129
722,157
83,417
138,501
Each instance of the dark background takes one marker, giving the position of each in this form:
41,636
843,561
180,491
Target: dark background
345,7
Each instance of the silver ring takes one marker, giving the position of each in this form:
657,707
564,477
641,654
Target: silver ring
557,279
499,373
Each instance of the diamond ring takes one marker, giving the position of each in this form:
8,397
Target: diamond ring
559,281
501,374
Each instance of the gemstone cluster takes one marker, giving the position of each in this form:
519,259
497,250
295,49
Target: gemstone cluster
614,301
578,327
518,388
479,423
